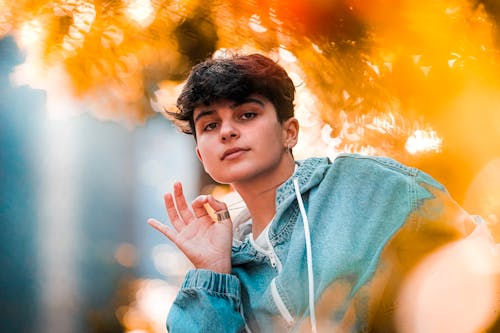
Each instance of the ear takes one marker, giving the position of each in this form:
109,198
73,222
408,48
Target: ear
290,132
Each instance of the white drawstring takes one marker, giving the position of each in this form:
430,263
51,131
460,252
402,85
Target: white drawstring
312,314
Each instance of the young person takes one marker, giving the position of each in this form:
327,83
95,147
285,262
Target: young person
331,241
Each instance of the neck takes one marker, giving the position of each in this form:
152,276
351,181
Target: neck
259,194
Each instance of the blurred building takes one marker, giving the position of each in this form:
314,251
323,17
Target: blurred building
75,193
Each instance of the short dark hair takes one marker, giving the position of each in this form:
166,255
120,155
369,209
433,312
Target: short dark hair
234,78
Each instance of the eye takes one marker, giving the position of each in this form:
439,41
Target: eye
248,115
210,126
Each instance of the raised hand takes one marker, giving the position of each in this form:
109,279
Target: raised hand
206,243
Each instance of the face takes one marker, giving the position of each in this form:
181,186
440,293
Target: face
237,142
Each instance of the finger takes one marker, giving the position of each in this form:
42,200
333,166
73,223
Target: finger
172,212
198,207
182,207
216,204
171,234
220,208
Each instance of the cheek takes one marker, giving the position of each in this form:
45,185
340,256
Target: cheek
209,159
270,140
202,152
205,154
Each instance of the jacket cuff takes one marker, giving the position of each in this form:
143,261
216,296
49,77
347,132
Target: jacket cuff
211,281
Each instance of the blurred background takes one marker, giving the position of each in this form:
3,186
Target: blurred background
86,154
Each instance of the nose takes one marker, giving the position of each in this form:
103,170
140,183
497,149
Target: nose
228,131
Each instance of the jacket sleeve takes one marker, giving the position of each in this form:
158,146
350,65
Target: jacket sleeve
207,302
435,220
435,224
456,274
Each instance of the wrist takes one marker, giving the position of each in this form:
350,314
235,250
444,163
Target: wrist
219,267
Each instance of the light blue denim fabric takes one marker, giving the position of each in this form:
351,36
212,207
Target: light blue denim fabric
355,206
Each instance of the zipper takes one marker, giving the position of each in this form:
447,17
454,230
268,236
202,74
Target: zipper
283,310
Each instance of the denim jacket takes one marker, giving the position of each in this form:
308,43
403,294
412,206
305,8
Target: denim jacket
370,220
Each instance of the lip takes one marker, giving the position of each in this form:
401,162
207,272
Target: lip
233,153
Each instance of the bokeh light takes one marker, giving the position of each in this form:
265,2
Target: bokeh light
415,80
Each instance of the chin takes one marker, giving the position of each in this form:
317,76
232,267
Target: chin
230,176
225,179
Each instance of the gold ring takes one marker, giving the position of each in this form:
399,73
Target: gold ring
222,215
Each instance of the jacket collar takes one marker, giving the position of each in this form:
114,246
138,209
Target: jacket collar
309,174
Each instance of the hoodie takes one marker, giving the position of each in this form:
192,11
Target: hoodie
344,236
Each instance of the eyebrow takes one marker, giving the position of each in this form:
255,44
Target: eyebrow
203,113
208,112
